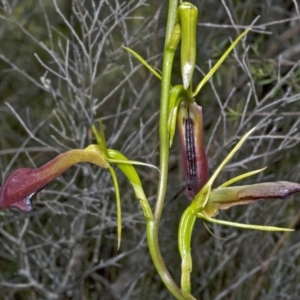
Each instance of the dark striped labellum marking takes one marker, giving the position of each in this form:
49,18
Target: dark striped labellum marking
194,159
191,154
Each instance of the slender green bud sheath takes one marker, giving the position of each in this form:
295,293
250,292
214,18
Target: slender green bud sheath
19,188
194,159
188,16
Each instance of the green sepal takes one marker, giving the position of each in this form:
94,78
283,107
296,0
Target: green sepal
241,225
118,203
137,56
240,177
129,171
100,137
177,95
113,156
202,197
219,62
131,162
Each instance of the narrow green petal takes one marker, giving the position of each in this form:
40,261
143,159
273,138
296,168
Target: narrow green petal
202,197
132,162
118,203
129,171
219,62
229,156
240,177
241,225
137,56
177,95
99,135
172,120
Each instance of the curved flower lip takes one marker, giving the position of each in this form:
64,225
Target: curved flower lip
19,188
224,198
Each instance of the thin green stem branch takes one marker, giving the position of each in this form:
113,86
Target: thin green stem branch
164,107
172,15
153,225
152,236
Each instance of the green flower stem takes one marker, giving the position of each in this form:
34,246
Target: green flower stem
186,227
160,264
163,119
153,226
172,17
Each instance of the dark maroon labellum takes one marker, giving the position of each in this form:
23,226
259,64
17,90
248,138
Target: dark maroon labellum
194,159
19,188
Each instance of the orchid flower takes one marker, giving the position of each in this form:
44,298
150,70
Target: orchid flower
23,184
208,202
19,188
183,110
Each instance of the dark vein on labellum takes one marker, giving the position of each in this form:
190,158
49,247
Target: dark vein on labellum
191,152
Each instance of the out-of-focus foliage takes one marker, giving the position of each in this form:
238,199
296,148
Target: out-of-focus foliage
62,68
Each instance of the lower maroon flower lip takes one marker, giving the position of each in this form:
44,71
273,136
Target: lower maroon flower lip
19,188
226,197
26,204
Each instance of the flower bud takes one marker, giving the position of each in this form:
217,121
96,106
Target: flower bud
188,16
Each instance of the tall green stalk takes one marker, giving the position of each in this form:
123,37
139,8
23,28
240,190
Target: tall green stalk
153,225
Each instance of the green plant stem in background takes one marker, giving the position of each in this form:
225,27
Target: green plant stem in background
169,52
153,226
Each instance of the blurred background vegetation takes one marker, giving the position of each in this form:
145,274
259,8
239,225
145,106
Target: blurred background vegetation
62,69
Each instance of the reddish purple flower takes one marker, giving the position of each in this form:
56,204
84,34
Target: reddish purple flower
19,188
194,159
